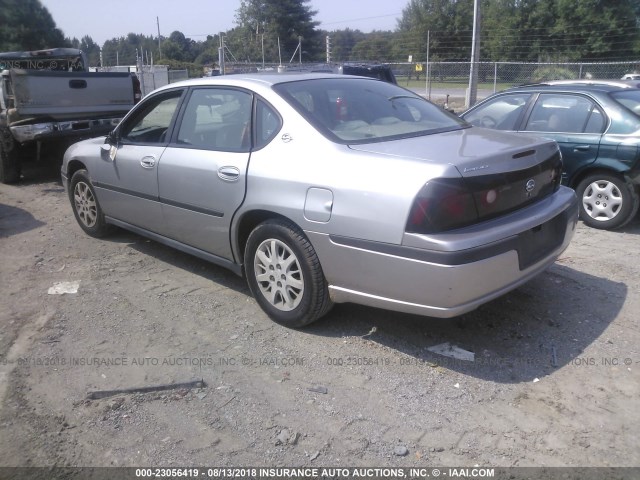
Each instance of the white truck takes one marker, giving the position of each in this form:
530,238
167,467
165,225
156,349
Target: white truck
48,98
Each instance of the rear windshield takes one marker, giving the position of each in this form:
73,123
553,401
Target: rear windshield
628,98
352,110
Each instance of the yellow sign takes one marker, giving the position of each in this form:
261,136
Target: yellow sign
418,67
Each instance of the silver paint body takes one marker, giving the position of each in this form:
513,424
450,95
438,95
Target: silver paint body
329,189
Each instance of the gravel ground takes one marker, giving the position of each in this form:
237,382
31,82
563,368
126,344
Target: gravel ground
554,379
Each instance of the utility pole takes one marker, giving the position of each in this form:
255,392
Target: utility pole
427,77
328,49
472,92
300,50
159,48
221,54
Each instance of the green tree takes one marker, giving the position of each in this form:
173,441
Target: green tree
522,30
271,21
343,42
126,50
375,47
27,25
91,49
447,24
607,29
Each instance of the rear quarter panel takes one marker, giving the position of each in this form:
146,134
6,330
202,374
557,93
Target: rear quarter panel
372,193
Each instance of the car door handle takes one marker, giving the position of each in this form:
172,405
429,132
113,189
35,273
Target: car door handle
148,162
582,148
229,174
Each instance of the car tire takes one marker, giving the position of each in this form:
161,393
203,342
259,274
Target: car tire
9,157
607,201
285,275
86,207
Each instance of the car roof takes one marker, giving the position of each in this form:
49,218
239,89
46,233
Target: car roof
264,79
579,86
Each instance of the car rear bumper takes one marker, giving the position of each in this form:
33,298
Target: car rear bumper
64,129
452,281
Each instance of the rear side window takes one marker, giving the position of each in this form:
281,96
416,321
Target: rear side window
268,124
500,113
565,113
630,99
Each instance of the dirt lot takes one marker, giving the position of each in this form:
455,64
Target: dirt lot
554,380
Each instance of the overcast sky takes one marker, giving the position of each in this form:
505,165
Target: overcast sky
105,19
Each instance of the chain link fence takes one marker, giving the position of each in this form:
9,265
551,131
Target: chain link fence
439,79
151,76
177,75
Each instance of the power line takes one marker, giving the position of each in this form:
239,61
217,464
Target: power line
361,19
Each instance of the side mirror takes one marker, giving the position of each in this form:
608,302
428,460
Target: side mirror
112,138
109,147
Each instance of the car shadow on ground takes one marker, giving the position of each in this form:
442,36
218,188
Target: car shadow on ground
181,260
526,334
632,227
14,220
44,171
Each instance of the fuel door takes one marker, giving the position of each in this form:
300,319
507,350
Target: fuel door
318,205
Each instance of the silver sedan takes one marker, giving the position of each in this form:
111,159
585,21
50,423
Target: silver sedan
325,189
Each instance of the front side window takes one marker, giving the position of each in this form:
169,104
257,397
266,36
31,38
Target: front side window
353,110
217,119
150,123
565,113
501,113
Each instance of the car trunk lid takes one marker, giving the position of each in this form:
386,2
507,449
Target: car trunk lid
519,170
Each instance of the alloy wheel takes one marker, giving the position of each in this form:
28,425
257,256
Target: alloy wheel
85,204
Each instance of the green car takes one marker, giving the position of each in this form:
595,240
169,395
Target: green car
597,126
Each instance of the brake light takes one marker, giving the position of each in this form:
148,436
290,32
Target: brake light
341,109
556,172
442,204
137,92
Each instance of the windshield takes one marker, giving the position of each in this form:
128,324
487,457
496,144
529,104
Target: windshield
629,99
353,110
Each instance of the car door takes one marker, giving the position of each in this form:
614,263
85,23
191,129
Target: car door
202,175
127,177
575,121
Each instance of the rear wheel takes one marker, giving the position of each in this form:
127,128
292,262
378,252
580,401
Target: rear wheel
284,274
9,157
607,201
85,205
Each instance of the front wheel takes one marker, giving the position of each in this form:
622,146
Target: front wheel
607,201
284,274
85,205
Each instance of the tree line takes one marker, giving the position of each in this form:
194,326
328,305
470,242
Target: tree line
277,30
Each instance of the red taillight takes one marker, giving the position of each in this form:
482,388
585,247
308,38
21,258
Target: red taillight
137,92
341,110
556,173
442,204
